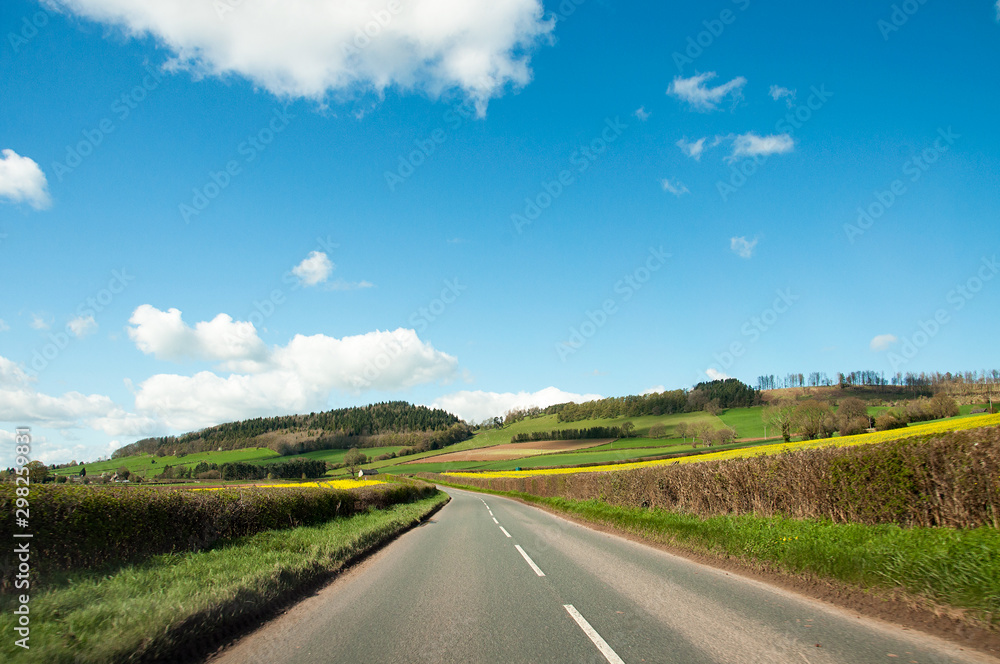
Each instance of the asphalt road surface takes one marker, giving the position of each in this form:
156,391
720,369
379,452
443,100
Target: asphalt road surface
491,580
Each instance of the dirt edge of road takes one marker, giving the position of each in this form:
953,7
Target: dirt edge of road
893,606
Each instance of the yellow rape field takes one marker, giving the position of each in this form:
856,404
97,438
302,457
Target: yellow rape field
328,484
777,448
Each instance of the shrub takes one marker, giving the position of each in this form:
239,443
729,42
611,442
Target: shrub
889,420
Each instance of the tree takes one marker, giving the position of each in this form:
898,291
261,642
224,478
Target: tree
852,416
681,429
83,471
628,429
37,472
809,417
123,473
657,431
780,414
353,459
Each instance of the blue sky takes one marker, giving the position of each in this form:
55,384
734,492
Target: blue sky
208,211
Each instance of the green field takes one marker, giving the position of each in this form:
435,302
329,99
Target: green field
147,465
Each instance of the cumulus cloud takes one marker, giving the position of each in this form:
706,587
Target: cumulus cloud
715,374
22,181
658,389
882,342
695,92
677,188
777,93
309,49
82,326
751,145
642,114
692,150
166,336
297,377
38,322
4,326
475,406
24,404
314,268
742,247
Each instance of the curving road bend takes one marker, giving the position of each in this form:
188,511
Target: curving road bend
492,580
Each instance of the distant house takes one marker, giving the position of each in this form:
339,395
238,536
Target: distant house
367,471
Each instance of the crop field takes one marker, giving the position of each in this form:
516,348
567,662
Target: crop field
954,424
518,450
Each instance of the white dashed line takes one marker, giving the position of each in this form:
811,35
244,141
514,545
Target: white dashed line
495,521
504,531
592,634
531,562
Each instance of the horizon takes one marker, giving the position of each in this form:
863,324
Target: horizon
221,217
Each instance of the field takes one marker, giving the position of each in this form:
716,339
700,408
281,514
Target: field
518,450
952,424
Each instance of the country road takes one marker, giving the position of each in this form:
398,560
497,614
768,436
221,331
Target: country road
491,580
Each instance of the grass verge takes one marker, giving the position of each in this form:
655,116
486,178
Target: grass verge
951,566
176,606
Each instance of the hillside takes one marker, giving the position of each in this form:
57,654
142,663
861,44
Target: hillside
376,425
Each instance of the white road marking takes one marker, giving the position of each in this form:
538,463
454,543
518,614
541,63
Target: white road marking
531,562
504,531
592,634
495,521
490,511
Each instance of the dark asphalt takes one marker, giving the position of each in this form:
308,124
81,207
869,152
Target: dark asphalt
456,589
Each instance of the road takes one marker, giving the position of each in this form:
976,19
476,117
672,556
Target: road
491,580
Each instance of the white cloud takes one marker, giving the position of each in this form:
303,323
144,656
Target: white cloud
658,389
38,322
677,188
743,247
715,374
298,377
82,325
882,342
166,336
25,405
309,49
701,97
341,285
3,326
11,374
314,268
777,93
475,406
752,145
22,181
692,150
642,114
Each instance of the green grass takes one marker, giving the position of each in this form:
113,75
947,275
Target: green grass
337,456
145,466
159,607
949,566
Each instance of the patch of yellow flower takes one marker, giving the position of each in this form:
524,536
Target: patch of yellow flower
840,441
328,484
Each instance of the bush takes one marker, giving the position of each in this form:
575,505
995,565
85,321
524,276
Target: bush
889,420
944,480
209,475
77,526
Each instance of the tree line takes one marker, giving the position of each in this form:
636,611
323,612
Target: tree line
576,434
869,377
